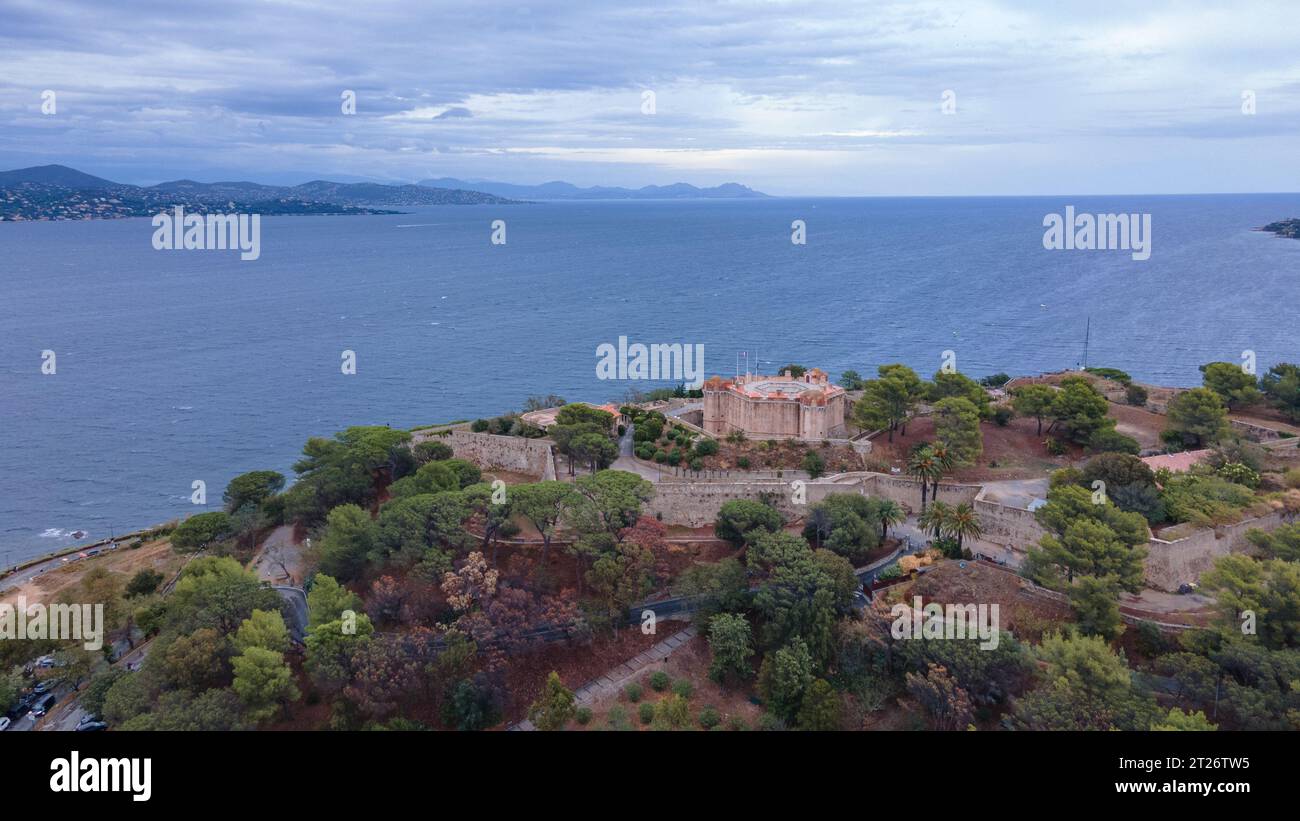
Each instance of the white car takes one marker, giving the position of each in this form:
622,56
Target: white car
4,723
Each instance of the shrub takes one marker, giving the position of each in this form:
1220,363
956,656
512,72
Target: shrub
661,457
814,464
743,463
770,723
583,716
1002,415
737,724
659,681
675,458
1110,440
683,687
633,692
696,464
709,717
1136,395
1055,446
479,425
706,447
1292,478
618,719
646,712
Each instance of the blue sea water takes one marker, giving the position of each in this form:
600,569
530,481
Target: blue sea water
182,365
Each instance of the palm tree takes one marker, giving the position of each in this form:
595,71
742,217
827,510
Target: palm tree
935,521
964,522
944,461
921,465
889,512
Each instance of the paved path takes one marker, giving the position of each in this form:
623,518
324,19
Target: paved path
612,682
626,461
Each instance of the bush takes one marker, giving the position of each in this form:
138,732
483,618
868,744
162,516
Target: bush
743,463
646,712
737,724
1112,441
706,447
479,426
696,464
814,464
583,716
1002,415
659,681
633,692
661,457
675,458
618,719
684,688
1136,395
1055,446
1292,478
709,717
770,723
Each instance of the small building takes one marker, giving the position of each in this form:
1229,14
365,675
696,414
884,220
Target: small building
1176,462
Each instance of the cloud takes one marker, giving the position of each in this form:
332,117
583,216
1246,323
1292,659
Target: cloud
820,97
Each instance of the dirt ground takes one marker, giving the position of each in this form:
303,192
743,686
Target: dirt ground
690,662
44,588
1025,615
1012,452
1142,425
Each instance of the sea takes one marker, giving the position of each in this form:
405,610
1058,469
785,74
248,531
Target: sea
177,366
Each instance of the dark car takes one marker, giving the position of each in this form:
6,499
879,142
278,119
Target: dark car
92,726
43,706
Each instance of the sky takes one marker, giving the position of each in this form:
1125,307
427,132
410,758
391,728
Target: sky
796,99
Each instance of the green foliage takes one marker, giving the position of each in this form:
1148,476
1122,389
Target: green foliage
554,708
731,645
431,451
633,692
143,583
1109,440
1096,606
660,681
822,709
957,427
252,488
785,677
851,380
845,523
646,712
1114,374
1086,686
814,464
1090,539
202,530
954,385
342,470
216,592
888,401
265,629
475,704
1233,385
1198,417
1269,588
263,682
583,716
1281,384
706,447
351,537
1204,500
741,520
1035,401
1282,543
709,717
1079,410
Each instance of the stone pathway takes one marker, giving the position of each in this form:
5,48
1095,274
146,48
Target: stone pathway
611,683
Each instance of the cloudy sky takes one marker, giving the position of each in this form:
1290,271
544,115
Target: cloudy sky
788,97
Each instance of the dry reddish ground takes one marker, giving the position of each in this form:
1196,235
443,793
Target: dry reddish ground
158,556
691,662
1025,615
1012,452
781,455
1141,424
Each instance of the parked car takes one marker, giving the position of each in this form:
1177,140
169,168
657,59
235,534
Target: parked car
46,685
87,719
92,726
4,724
43,706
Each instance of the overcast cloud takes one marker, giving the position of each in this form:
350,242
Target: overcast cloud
790,98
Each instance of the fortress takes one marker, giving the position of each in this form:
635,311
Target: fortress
775,407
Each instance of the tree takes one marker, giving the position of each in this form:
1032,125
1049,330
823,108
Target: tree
741,520
936,520
596,449
472,583
554,708
195,661
954,385
143,583
731,643
1177,720
263,682
1283,543
937,692
431,451
430,478
794,370
957,427
543,504
822,709
851,380
1269,588
1087,686
1109,440
1079,410
622,578
344,470
216,592
609,501
1281,384
784,678
1096,609
1035,401
327,600
887,402
814,464
349,542
1198,417
252,489
265,629
201,530
1233,385
889,513
844,523
476,703
964,523
922,465
1089,539
331,647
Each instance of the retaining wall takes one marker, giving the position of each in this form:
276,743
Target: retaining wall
513,453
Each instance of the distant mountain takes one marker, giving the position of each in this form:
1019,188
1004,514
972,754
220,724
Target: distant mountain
59,175
568,191
56,192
